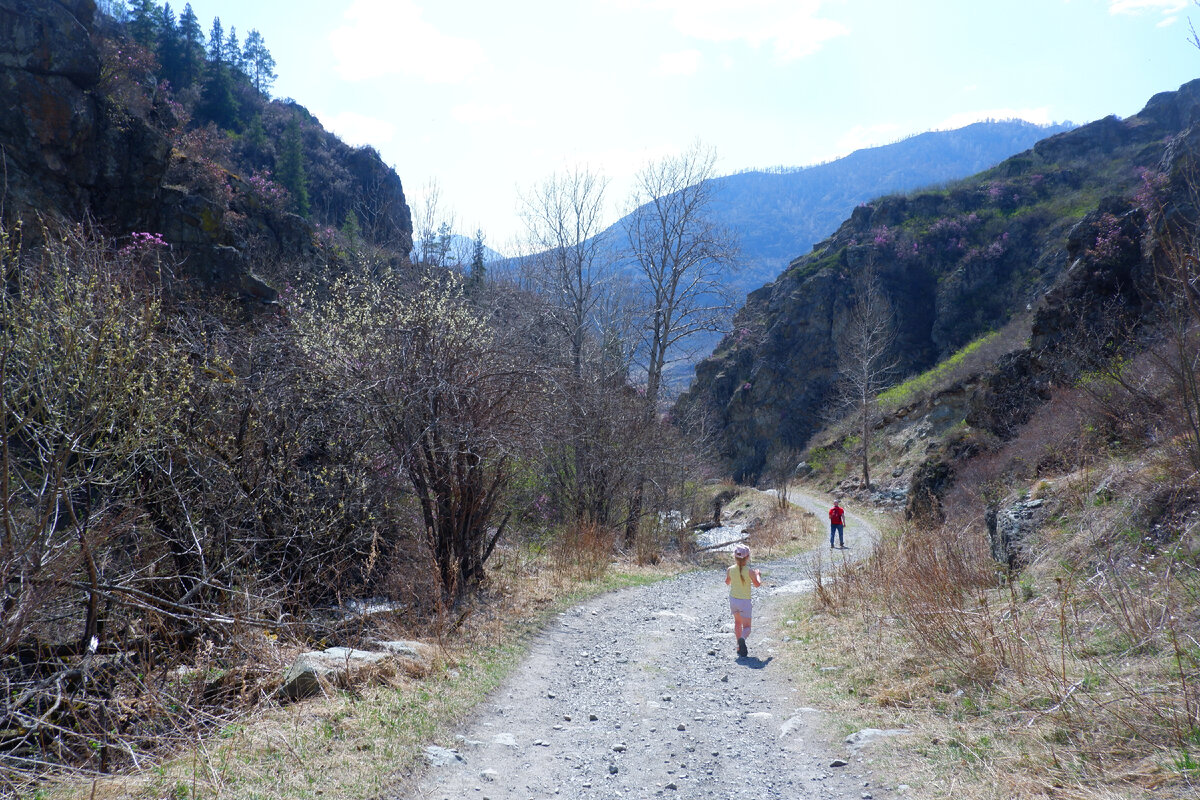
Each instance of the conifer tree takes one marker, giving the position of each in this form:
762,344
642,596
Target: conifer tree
216,42
170,48
192,48
143,23
233,51
351,230
478,267
260,66
290,170
115,9
255,143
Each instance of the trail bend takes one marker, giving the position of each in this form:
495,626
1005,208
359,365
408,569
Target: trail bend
639,693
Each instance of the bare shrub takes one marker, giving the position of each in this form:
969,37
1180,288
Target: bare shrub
1057,438
584,551
781,527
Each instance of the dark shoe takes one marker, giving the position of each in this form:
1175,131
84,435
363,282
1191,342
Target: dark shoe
742,650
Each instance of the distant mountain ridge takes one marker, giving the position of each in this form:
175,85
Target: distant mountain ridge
780,215
955,262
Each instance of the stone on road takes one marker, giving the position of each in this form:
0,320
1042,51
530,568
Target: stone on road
624,697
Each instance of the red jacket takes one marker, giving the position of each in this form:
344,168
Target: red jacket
837,515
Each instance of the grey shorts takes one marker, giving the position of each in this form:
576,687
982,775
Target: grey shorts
740,606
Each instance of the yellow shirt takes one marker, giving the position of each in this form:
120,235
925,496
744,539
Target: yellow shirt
739,582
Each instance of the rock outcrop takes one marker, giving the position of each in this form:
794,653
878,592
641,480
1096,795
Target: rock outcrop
954,264
72,150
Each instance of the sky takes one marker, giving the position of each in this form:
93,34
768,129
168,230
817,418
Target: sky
485,100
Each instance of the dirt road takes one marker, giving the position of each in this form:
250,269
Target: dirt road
640,693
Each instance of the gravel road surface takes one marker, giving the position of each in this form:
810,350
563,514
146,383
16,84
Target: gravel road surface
640,694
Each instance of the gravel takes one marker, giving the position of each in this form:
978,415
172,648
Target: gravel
640,693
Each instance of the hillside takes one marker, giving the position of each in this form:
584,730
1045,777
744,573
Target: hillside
92,129
954,263
778,214
775,214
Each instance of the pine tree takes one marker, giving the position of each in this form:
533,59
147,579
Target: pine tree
260,66
115,9
478,267
143,23
255,143
351,230
233,51
217,103
192,48
170,48
290,168
216,42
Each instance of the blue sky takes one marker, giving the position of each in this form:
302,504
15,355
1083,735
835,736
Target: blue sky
488,98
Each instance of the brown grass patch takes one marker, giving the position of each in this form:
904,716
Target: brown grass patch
1074,679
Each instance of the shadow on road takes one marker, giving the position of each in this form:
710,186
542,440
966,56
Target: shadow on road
754,662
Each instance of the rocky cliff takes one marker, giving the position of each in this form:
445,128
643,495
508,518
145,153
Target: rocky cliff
954,264
87,131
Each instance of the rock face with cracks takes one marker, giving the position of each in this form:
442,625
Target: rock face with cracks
954,264
72,149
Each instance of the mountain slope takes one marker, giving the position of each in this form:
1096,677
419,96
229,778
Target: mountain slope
954,263
89,132
782,213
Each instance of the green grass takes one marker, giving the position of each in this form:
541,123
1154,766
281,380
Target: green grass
932,379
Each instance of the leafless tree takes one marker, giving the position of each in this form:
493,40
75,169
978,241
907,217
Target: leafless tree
682,259
781,471
866,358
448,401
570,264
433,227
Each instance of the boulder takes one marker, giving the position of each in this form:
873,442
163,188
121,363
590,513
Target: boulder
417,651
868,736
1008,527
311,672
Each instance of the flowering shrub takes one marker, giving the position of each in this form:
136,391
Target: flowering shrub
1153,185
198,163
1110,239
142,243
127,75
267,191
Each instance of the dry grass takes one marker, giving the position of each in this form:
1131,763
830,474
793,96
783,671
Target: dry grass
1080,678
783,532
358,742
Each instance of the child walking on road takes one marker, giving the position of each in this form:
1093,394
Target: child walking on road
740,578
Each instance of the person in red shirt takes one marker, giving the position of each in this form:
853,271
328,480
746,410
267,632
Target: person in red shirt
837,525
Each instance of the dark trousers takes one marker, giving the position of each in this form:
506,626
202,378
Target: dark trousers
838,529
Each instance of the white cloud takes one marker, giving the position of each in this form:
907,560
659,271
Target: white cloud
359,129
1038,116
389,37
792,27
1168,8
684,62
